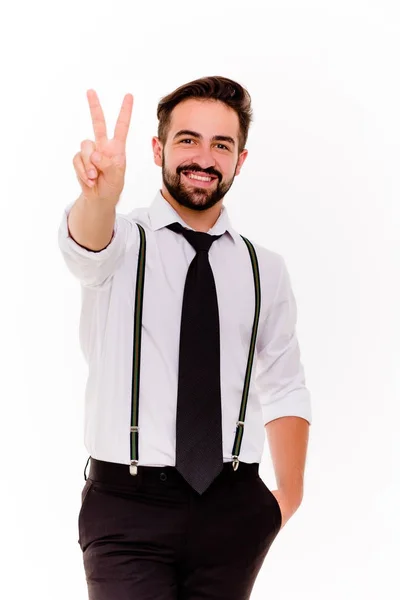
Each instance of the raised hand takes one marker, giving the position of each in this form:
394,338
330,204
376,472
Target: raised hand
100,165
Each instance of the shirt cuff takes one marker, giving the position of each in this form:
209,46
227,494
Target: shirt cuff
294,404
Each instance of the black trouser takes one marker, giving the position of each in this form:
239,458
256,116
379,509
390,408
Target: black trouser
152,537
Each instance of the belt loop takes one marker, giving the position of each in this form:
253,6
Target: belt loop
84,472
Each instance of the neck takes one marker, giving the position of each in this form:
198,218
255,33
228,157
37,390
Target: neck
199,220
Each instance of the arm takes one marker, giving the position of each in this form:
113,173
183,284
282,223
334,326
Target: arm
94,268
285,400
92,238
288,441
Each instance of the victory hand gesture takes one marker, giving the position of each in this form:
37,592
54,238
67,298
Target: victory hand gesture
100,165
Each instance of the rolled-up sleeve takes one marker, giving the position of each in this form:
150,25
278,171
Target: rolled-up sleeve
280,379
92,268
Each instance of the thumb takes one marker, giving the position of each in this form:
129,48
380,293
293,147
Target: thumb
113,166
100,161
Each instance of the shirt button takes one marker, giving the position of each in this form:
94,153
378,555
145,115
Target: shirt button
163,476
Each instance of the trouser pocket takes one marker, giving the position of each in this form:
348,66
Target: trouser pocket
274,502
84,499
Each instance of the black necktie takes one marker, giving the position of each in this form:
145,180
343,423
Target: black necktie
199,456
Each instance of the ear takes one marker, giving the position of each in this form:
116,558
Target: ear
157,151
242,158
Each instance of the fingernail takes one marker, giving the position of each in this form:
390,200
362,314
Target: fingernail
92,173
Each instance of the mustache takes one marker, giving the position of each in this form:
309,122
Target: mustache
196,169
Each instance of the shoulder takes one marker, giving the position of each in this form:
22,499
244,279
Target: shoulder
268,260
137,215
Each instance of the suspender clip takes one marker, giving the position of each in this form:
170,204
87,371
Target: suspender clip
133,467
235,463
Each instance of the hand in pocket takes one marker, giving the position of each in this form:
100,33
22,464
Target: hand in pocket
286,504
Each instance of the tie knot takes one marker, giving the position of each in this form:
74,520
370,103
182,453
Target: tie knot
198,239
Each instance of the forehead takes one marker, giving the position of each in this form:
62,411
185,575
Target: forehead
208,117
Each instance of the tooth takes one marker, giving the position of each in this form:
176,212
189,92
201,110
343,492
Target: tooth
199,177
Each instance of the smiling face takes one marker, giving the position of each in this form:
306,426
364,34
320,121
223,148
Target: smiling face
200,158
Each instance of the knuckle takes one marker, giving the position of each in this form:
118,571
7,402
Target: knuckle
87,144
86,153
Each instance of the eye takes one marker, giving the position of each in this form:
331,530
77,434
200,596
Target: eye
190,140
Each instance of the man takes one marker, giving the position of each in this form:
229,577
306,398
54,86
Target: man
189,320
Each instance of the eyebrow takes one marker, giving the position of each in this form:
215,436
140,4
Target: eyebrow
215,138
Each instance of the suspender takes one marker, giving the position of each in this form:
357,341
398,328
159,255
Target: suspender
134,429
137,346
242,413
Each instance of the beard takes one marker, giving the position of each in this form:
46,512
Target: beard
195,198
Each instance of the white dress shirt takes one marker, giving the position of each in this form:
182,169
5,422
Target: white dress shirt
108,280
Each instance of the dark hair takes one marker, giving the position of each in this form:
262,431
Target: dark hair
216,88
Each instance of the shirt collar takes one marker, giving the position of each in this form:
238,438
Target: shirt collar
161,214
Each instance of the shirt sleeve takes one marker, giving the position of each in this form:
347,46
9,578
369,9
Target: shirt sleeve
280,379
95,268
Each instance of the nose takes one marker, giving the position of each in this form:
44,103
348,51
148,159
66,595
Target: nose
204,157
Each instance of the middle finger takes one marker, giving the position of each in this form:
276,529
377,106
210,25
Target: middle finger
124,119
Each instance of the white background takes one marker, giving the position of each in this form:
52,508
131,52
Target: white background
320,186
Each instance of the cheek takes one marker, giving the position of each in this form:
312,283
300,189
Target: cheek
228,169
180,159
173,163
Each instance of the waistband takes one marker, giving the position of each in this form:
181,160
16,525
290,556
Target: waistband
118,474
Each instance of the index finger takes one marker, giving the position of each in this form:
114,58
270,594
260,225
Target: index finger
124,119
99,124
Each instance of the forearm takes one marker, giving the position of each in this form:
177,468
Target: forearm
91,224
288,441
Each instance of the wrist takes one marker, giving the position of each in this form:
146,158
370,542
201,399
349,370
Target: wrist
293,495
